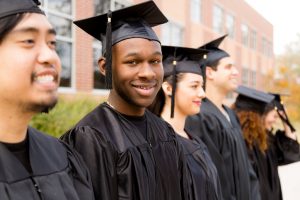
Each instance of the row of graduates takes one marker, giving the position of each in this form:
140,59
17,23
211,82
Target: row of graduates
158,136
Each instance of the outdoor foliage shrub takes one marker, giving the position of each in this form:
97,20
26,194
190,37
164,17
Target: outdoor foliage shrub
63,116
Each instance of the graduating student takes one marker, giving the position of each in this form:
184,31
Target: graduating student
255,109
219,128
281,148
180,96
32,165
131,153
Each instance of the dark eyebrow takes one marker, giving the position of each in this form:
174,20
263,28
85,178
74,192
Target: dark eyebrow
157,53
33,30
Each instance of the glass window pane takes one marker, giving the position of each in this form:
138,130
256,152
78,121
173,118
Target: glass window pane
230,25
118,5
172,34
245,35
217,19
64,6
99,79
195,7
64,50
245,76
62,25
101,6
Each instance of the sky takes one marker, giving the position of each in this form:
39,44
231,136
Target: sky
285,17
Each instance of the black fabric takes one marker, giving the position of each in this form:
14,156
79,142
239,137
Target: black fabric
21,151
202,176
122,163
140,123
12,7
227,149
279,106
187,60
57,172
281,150
215,53
250,99
130,22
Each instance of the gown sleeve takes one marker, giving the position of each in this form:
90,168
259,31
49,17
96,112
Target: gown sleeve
287,149
209,130
80,173
99,156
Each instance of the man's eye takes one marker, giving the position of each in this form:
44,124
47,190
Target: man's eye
29,41
52,44
132,62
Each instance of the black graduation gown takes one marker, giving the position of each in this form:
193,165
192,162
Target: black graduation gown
281,150
201,173
57,172
122,163
228,151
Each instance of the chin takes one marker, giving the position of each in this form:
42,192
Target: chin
43,106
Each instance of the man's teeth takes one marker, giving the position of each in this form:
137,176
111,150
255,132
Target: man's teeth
45,78
144,88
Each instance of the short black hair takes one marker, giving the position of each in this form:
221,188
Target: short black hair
8,23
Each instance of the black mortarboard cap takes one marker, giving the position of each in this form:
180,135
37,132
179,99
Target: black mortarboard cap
250,99
12,7
215,53
279,106
181,60
130,22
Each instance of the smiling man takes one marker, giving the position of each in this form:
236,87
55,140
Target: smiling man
220,129
131,153
32,165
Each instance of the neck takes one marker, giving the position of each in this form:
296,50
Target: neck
215,95
124,107
13,124
177,122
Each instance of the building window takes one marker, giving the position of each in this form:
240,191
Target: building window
267,48
59,13
99,79
217,19
245,76
245,34
230,25
253,39
253,78
100,7
172,34
270,52
195,7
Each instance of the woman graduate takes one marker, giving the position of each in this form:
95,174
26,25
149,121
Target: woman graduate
266,151
180,96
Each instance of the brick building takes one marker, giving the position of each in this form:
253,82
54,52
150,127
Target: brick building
191,23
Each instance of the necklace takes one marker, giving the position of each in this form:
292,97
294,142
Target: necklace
110,104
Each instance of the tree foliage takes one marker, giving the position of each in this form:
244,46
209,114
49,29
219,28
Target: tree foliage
285,78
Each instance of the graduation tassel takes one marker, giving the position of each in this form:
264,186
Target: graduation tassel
203,68
285,119
108,70
173,85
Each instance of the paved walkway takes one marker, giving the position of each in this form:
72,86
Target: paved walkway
290,181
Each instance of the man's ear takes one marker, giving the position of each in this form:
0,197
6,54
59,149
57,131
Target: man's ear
101,65
167,88
209,72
